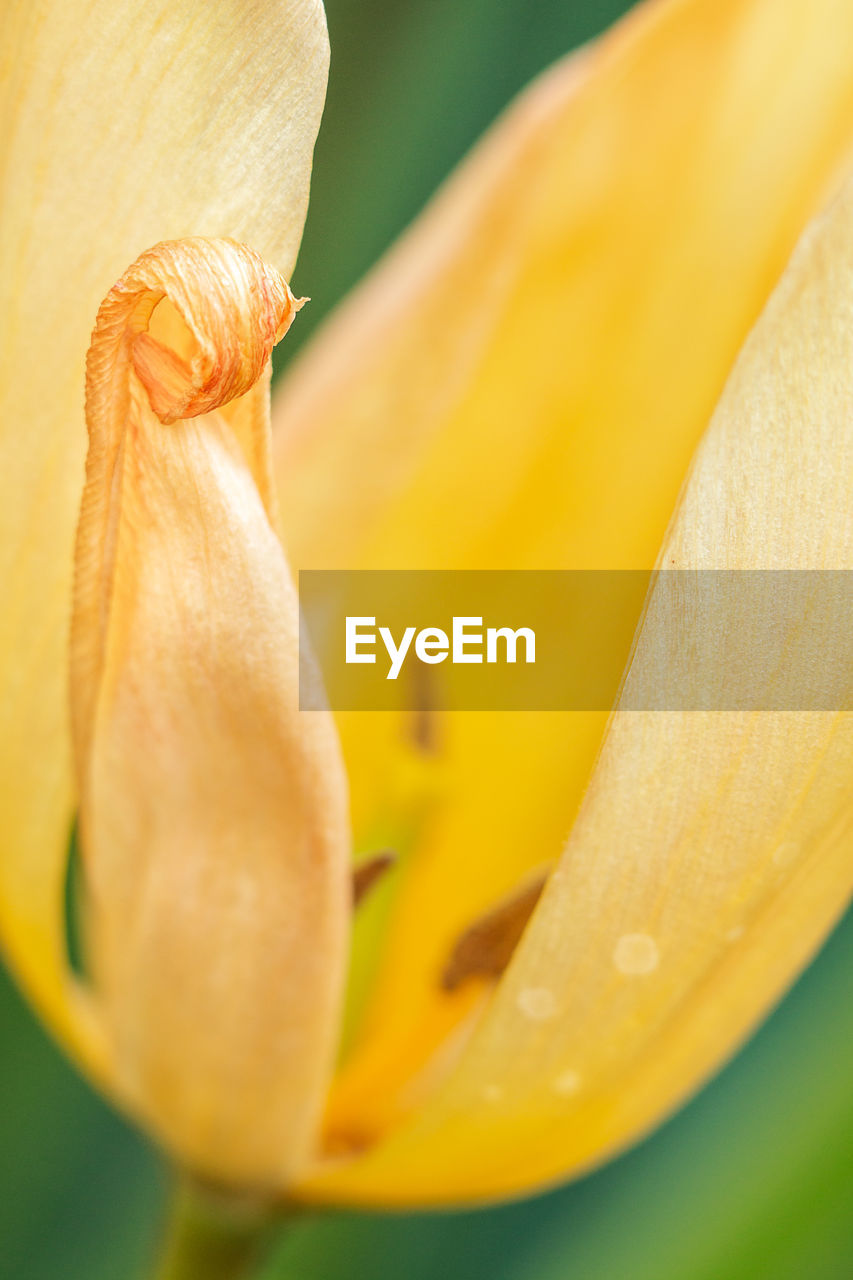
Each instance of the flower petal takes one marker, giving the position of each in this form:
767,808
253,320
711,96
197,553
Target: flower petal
713,850
213,813
522,384
123,125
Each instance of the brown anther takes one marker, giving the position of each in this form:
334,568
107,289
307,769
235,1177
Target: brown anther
423,723
338,1145
486,947
369,872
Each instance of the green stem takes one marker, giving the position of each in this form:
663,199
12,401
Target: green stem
214,1237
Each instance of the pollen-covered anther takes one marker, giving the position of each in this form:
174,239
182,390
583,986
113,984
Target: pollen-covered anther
486,947
369,872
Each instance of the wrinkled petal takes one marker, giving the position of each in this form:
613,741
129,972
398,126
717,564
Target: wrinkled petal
522,384
124,124
213,813
713,850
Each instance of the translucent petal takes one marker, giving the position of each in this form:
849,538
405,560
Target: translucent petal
214,822
713,850
521,383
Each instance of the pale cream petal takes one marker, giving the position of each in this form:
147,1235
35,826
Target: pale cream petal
123,124
522,383
714,849
214,824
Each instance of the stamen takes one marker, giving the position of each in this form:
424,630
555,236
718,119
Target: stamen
486,947
370,872
423,724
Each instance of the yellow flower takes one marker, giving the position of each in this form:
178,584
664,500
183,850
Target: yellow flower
522,383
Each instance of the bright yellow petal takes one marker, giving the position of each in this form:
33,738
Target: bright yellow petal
713,850
213,813
521,384
124,124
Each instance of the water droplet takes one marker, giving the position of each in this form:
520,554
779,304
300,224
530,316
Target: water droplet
635,954
567,1083
537,1003
492,1093
785,853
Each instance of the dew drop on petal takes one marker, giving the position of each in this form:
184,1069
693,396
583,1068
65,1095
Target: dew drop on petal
537,1003
567,1083
635,954
785,853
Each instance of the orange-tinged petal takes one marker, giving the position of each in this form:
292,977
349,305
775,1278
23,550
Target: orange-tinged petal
124,125
713,850
213,813
522,384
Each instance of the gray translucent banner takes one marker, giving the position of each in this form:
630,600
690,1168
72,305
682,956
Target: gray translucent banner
712,640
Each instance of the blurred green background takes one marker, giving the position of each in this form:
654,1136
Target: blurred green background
754,1180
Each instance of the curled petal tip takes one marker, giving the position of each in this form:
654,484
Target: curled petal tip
234,308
